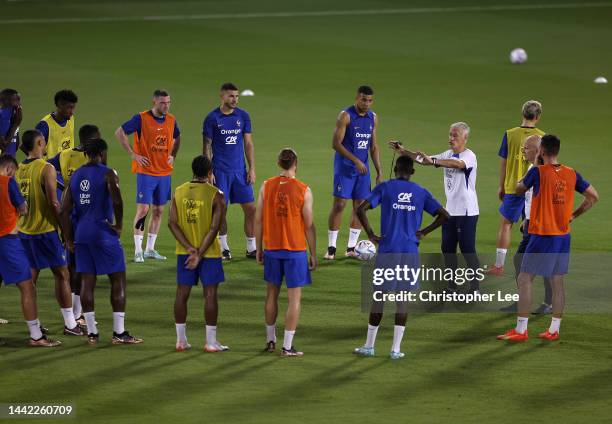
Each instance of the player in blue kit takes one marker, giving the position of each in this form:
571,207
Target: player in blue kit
354,141
402,204
11,115
95,196
227,138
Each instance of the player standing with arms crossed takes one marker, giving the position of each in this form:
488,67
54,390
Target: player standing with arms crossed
195,217
354,141
227,138
284,226
513,167
157,139
548,251
95,196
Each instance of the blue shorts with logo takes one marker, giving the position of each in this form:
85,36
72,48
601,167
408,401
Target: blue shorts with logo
546,255
352,187
44,250
209,271
292,265
512,207
153,190
234,186
14,264
101,258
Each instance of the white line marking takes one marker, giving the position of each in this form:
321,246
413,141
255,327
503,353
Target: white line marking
321,13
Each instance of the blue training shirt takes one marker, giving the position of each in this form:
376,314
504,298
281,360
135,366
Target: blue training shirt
92,204
6,116
402,205
135,124
227,135
357,140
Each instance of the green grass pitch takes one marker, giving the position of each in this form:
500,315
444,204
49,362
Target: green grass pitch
428,69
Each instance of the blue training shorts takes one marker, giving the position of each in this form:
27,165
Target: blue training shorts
100,258
352,187
44,250
512,207
546,255
292,265
153,190
234,186
14,265
209,271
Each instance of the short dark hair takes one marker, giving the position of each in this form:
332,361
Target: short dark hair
65,96
201,166
287,158
27,140
88,132
7,92
94,148
365,89
229,86
7,159
404,165
160,93
550,145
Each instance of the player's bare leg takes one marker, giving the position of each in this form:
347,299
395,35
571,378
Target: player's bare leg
503,243
180,316
271,313
226,254
211,311
558,304
120,334
376,315
354,230
401,316
30,313
249,229
64,298
87,302
519,333
75,289
292,317
157,213
139,225
334,221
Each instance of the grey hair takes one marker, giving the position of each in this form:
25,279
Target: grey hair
462,126
532,109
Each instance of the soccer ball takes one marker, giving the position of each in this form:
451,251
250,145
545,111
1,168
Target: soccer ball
518,56
365,250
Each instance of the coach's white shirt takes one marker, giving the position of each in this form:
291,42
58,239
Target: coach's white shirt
460,184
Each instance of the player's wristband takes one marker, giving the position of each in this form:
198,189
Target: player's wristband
435,162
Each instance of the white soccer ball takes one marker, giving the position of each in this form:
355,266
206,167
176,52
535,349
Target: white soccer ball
365,250
518,56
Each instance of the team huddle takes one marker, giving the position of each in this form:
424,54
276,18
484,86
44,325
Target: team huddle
62,208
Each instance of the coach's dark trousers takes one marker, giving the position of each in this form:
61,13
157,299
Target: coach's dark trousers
460,230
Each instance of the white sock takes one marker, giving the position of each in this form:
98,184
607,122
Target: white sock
69,320
138,244
398,333
353,237
288,340
34,327
554,325
223,240
151,241
371,339
211,334
181,333
90,320
118,322
77,309
500,257
271,332
251,245
521,324
332,236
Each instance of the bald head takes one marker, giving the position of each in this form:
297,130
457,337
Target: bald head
531,147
